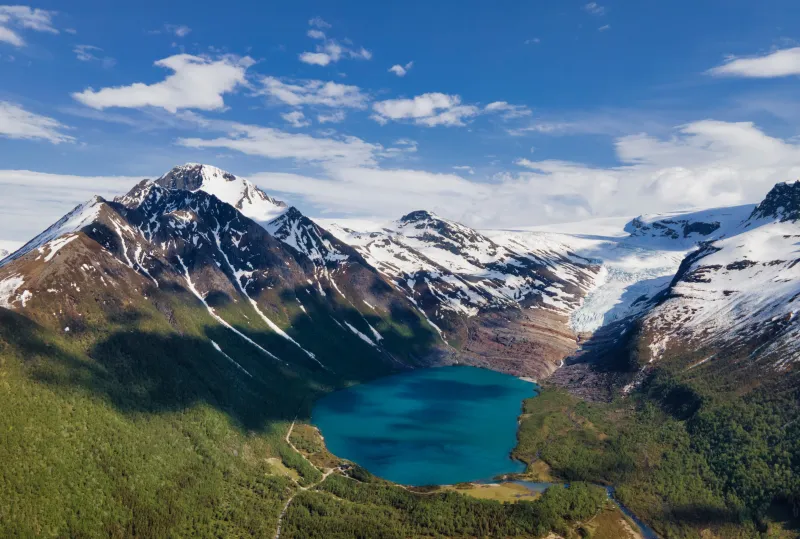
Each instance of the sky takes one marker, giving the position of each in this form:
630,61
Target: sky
495,114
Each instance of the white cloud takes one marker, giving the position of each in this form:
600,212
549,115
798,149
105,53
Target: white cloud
87,53
38,20
507,110
430,110
9,36
330,51
781,63
703,164
532,41
333,118
197,83
275,144
594,8
318,22
401,70
314,92
465,168
604,28
18,123
296,118
32,201
180,30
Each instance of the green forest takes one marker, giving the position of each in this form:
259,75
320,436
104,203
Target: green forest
685,460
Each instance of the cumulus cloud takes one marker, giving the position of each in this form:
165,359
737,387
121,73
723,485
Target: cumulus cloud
89,53
197,83
330,51
13,18
429,110
401,70
702,164
780,63
313,92
296,118
18,123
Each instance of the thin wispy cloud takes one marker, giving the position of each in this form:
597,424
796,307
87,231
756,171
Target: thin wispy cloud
18,123
276,144
594,8
180,30
330,50
706,163
312,92
333,118
429,110
90,53
318,22
16,19
177,30
507,110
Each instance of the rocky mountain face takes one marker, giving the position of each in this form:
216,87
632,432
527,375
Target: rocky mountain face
499,306
238,192
728,313
696,286
143,252
736,299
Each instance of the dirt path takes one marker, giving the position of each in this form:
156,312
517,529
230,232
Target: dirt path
325,475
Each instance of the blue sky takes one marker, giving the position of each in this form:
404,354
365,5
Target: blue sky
510,113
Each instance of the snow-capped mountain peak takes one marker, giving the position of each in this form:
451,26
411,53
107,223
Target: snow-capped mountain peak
781,203
234,190
687,228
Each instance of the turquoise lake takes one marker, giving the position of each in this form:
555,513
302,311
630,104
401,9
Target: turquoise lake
428,427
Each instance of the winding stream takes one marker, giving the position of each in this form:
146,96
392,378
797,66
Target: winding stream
647,532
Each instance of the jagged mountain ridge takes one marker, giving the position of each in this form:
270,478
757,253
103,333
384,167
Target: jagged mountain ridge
736,298
156,242
499,305
510,300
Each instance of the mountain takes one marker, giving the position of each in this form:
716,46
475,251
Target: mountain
734,301
499,306
721,302
156,245
238,192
